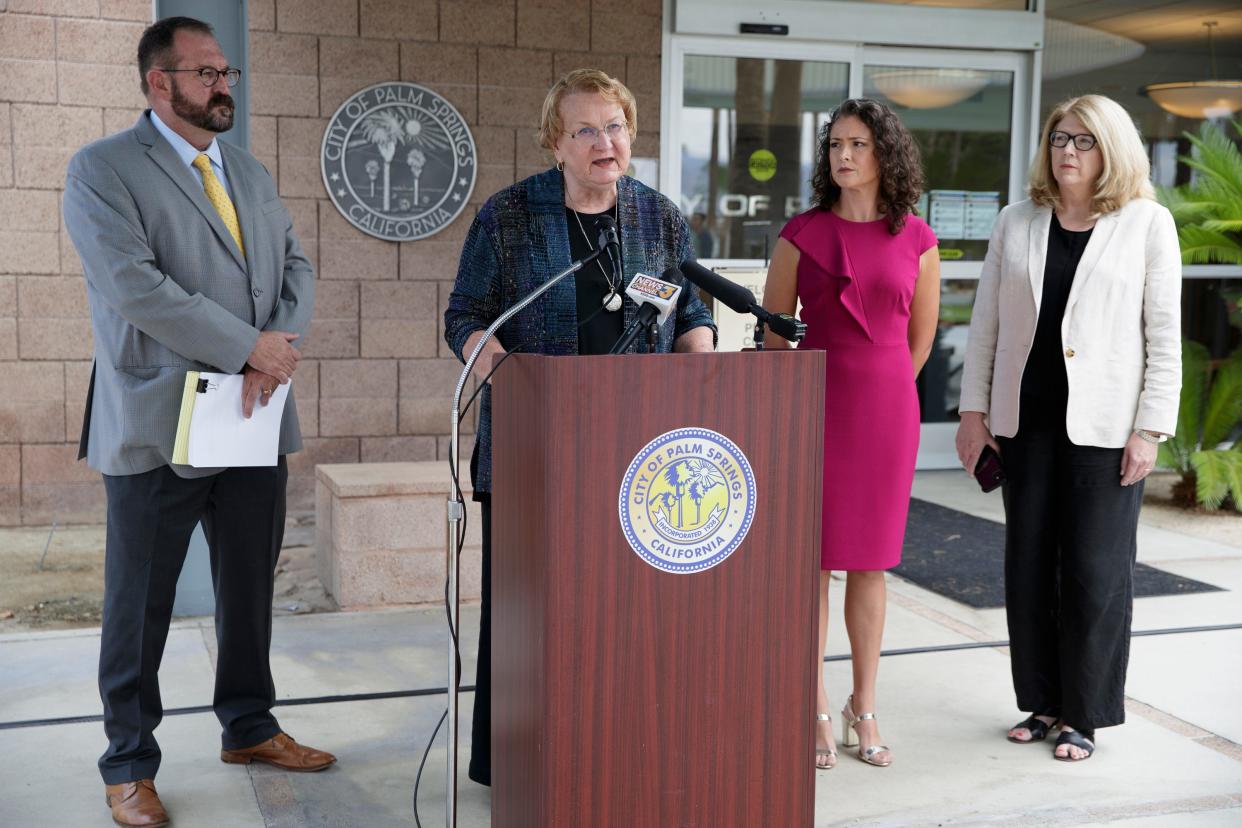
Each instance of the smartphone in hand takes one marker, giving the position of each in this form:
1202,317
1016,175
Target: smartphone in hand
989,471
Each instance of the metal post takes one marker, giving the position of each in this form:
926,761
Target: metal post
456,513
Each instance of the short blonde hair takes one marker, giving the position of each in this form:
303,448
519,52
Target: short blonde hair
1127,172
585,81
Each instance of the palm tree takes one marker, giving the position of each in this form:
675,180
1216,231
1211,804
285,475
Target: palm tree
673,476
1203,451
415,158
703,476
385,130
372,168
696,494
1209,210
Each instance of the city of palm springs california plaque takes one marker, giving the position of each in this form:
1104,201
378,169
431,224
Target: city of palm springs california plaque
398,161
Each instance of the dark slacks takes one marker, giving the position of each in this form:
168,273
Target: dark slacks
150,519
480,769
1070,547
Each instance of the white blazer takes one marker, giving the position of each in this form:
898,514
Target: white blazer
1120,336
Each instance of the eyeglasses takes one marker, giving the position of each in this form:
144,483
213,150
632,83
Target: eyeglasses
614,131
1083,142
209,75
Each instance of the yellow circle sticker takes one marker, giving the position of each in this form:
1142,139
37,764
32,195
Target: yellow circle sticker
762,165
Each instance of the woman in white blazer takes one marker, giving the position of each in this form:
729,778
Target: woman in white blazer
1072,374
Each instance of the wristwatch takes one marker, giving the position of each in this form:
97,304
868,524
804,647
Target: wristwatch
1151,436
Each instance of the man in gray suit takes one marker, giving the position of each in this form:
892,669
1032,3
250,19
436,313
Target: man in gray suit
191,263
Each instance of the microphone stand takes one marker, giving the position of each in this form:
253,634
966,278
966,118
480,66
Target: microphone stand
456,513
760,330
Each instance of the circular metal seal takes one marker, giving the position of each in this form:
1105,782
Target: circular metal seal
398,161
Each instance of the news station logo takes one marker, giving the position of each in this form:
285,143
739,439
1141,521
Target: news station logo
687,500
655,288
398,161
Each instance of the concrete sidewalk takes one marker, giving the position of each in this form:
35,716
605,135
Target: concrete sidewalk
1177,762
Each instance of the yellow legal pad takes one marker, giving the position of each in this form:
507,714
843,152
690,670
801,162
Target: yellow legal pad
181,447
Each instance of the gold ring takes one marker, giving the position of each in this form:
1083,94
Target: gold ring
267,392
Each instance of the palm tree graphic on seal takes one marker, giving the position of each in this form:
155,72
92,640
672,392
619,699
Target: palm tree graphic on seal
694,479
394,126
385,129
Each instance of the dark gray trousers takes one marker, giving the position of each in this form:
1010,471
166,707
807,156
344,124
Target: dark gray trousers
1070,548
150,519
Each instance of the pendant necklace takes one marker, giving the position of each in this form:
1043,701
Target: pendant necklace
611,302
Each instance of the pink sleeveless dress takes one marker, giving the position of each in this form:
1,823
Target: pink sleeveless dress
856,283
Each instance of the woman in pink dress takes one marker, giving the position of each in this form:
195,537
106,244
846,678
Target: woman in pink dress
867,272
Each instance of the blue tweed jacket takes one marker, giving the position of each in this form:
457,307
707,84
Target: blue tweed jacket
519,240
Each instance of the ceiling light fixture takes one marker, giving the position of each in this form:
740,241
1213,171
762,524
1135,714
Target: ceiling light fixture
1199,99
928,88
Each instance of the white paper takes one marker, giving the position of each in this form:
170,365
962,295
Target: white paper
220,435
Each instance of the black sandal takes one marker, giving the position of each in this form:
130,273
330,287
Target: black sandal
1080,739
1037,727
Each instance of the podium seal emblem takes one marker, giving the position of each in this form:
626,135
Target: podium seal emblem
687,500
398,161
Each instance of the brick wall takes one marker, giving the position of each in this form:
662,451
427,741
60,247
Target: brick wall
377,379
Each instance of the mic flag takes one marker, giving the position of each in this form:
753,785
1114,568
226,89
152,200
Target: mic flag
652,291
656,299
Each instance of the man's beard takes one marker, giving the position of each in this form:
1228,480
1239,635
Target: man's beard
204,117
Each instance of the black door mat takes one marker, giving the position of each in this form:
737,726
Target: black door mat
961,556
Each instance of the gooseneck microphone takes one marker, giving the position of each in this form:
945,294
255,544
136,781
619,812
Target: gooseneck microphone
611,242
740,299
656,299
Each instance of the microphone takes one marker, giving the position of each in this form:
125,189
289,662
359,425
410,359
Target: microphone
608,240
740,299
656,299
734,296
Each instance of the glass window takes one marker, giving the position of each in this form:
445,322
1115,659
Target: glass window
747,131
940,381
961,119
994,5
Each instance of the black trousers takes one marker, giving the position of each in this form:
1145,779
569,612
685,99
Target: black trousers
150,519
480,769
1070,547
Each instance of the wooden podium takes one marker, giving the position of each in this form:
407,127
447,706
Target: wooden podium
625,694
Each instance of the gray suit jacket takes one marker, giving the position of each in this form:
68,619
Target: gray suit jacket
170,291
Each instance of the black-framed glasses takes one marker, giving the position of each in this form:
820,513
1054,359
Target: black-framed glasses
1083,142
209,75
614,132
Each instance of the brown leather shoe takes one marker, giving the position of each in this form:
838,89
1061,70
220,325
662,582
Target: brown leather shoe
283,752
136,804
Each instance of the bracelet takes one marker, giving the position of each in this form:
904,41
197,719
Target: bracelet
1150,436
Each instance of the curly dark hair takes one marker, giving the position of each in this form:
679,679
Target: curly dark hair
901,165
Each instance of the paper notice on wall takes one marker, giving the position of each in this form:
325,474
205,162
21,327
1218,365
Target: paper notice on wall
963,214
981,211
736,331
947,214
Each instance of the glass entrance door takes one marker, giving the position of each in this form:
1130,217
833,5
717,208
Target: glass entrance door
739,151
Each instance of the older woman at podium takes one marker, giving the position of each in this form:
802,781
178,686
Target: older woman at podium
526,234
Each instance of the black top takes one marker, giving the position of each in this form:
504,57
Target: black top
1045,388
601,330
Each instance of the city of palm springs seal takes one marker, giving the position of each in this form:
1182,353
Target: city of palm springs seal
687,500
398,161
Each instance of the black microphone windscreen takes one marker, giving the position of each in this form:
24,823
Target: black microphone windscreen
734,296
673,276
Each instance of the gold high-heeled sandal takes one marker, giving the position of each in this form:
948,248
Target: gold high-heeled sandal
830,752
849,735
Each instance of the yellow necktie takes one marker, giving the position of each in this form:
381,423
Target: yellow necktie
219,199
